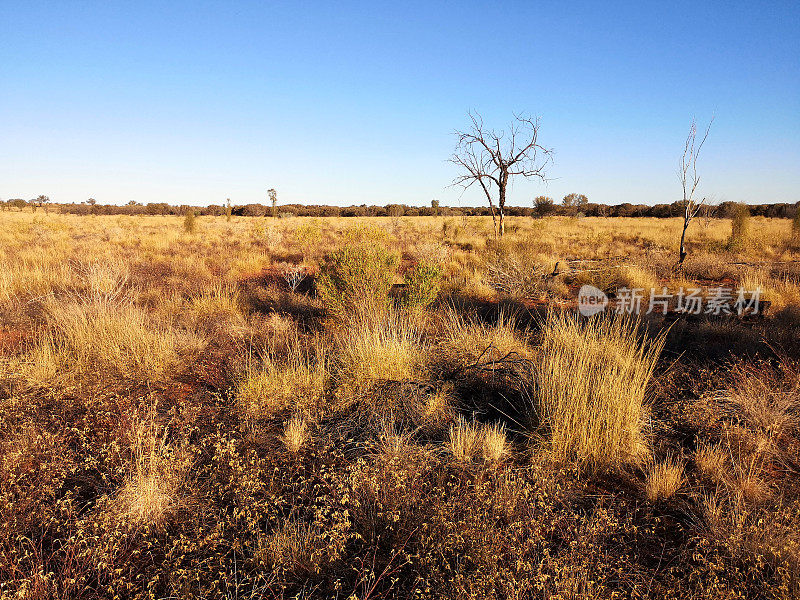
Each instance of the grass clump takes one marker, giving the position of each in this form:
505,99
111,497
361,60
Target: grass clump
466,341
104,339
664,479
495,443
591,383
370,351
154,490
275,386
464,440
218,308
356,279
295,434
611,280
712,462
469,440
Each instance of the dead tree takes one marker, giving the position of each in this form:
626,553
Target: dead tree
491,159
690,180
273,198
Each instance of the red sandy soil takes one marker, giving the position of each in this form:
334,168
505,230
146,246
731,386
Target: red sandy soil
12,339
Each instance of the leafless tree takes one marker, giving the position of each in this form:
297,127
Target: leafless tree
492,158
273,198
690,180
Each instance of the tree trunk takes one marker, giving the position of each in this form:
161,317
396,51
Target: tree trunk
502,209
683,246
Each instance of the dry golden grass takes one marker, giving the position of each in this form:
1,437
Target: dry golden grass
465,440
222,252
781,291
629,277
712,462
495,443
295,434
469,440
370,350
437,410
274,386
466,340
219,306
155,489
397,494
763,406
591,386
84,338
664,479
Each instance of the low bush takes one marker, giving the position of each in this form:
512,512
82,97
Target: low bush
190,222
740,228
423,283
356,279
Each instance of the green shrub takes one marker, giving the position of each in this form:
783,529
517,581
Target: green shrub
356,279
422,284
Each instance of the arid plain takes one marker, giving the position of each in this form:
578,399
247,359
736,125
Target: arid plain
254,407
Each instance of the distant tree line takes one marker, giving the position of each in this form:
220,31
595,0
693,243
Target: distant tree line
572,205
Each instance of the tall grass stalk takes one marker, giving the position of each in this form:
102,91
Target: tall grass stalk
591,386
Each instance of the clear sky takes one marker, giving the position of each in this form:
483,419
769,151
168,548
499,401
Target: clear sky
351,103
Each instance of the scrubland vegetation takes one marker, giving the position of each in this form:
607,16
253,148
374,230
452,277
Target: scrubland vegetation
212,407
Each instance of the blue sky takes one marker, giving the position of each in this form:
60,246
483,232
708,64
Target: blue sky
351,103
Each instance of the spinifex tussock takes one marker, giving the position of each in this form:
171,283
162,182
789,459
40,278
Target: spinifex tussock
591,386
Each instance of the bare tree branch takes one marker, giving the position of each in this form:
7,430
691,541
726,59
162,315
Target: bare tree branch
689,181
492,158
